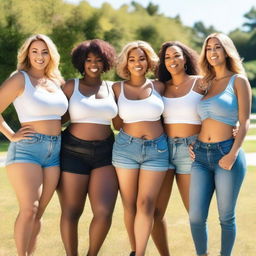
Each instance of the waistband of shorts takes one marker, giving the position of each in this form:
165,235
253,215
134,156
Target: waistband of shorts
187,140
142,141
214,145
44,137
110,138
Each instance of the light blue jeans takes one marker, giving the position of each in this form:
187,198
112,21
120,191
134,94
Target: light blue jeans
136,153
206,177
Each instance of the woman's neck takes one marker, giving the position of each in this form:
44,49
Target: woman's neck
137,81
92,81
222,71
179,78
37,74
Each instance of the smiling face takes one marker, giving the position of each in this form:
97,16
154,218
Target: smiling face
93,65
137,63
38,55
215,52
174,60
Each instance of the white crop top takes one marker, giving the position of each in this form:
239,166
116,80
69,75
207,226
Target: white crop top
148,109
83,109
182,109
36,103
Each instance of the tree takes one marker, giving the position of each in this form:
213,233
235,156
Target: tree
149,34
92,28
251,16
10,41
201,30
152,9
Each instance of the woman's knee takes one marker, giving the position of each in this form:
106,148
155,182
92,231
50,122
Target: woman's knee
196,218
146,205
29,212
72,213
103,212
158,214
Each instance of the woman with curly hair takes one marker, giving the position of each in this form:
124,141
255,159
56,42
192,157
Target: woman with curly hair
33,155
140,152
86,150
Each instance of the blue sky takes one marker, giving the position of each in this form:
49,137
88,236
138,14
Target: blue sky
212,12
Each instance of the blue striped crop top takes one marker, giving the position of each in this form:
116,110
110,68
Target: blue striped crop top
222,107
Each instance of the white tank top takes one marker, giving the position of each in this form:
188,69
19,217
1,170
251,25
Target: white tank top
83,109
148,109
36,103
182,109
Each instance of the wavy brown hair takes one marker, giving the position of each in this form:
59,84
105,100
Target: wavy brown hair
190,55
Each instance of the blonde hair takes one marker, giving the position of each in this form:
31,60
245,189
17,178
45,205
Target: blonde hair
122,60
233,60
52,70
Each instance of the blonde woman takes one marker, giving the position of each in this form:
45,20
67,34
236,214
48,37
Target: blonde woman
33,155
219,160
140,152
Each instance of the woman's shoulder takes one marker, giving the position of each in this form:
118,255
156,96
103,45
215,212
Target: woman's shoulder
200,85
16,80
241,80
68,87
158,86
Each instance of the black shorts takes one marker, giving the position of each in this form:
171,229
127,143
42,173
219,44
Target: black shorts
82,156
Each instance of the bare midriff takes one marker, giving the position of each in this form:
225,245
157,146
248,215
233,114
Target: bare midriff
182,130
90,131
147,130
215,131
47,127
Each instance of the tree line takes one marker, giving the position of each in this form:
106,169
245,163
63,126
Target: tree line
68,24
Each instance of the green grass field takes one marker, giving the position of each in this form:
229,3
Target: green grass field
116,244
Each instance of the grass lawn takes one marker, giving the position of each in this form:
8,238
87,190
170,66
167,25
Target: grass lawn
249,146
116,243
3,146
252,131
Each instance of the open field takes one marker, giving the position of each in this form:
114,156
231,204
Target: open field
116,243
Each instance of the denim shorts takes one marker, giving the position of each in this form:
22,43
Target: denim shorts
180,159
135,153
82,156
40,149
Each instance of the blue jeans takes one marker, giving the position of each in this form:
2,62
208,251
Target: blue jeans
180,160
135,153
40,149
206,177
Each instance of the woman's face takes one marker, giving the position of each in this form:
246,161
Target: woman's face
215,53
137,63
174,60
93,65
38,55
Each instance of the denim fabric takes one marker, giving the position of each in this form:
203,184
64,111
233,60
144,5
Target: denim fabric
180,159
206,177
135,153
40,149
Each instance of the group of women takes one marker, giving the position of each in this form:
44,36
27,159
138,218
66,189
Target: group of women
162,123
